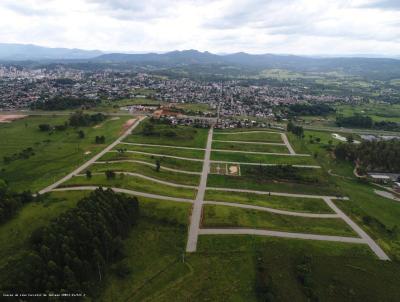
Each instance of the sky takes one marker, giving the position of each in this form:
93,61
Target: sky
304,27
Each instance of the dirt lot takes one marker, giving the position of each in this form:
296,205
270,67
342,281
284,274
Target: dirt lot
8,118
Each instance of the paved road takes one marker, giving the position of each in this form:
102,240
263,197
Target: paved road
163,182
93,159
147,164
276,193
287,143
371,243
275,211
386,195
126,191
198,204
160,155
260,153
242,231
246,142
260,164
163,146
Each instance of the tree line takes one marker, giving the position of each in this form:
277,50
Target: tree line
296,130
11,202
360,121
62,103
310,109
372,156
73,252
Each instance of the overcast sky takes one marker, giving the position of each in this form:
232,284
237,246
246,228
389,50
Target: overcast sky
221,26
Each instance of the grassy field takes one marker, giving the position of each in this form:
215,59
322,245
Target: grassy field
222,216
180,178
250,137
236,182
377,111
198,154
153,253
55,154
263,158
338,271
306,205
184,136
250,147
188,165
131,183
377,215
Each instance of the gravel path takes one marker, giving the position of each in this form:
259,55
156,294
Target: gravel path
125,191
198,204
371,243
275,211
260,153
242,231
261,164
246,142
287,143
147,164
163,182
276,193
161,155
162,146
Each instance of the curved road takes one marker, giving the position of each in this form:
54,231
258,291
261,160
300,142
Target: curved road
271,210
125,191
147,164
163,182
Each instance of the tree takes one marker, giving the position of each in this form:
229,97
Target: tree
158,165
110,174
44,127
148,129
350,139
88,174
81,134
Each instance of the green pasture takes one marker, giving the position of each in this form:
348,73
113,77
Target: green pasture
55,153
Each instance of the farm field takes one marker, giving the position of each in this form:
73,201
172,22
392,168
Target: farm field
55,153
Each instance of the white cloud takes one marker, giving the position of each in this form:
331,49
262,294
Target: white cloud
257,26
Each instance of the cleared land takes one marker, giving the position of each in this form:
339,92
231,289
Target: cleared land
170,135
250,147
173,163
176,177
249,136
222,217
224,181
306,205
262,158
133,183
197,154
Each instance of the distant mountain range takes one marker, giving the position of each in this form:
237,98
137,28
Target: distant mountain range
373,67
23,52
